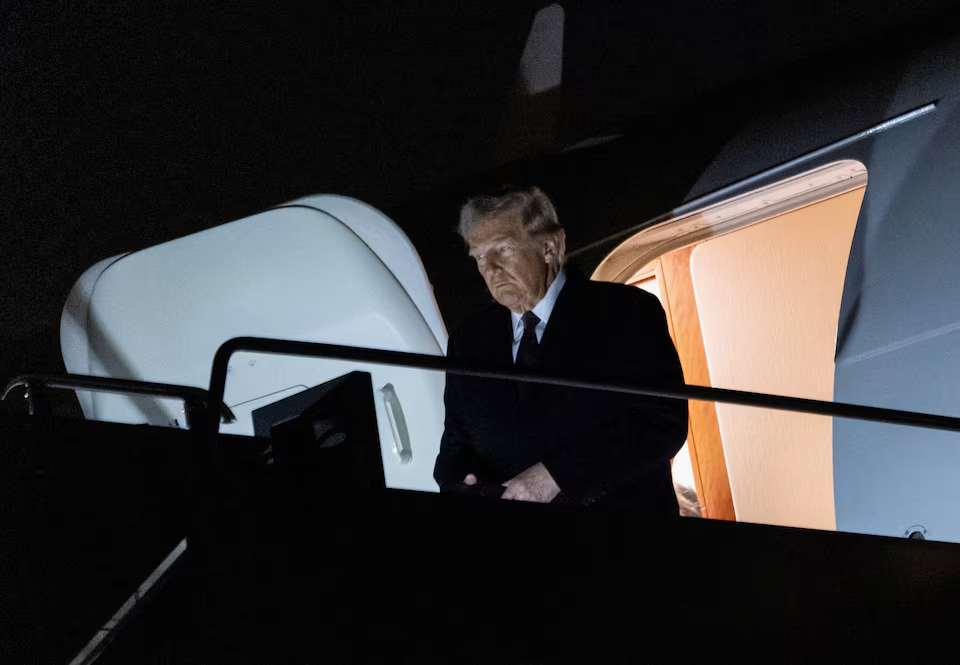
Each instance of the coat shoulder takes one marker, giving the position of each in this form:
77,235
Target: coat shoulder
622,299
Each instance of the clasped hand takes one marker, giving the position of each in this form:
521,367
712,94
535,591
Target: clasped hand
535,484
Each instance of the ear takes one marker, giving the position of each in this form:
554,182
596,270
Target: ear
555,246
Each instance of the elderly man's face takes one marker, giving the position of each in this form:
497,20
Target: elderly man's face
518,269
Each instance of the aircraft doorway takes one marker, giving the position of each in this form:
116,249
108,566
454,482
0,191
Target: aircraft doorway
751,288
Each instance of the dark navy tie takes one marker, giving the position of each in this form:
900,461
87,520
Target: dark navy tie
529,346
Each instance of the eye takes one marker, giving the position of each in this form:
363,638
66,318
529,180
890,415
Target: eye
506,250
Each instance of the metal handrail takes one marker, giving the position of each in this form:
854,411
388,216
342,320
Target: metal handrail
218,379
187,394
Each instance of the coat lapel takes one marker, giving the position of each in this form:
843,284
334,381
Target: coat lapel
502,348
562,319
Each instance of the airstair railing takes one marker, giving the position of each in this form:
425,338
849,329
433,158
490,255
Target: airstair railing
196,401
207,424
218,379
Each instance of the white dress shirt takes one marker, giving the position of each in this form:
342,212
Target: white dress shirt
543,309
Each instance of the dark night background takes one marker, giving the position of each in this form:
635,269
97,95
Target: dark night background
127,125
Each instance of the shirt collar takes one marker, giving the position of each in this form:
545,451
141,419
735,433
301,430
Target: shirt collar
544,308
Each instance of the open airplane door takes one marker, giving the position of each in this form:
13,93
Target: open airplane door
320,269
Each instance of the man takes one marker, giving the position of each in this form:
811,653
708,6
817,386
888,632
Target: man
546,443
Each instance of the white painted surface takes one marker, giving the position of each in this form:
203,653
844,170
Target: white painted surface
291,273
74,341
769,298
541,65
392,247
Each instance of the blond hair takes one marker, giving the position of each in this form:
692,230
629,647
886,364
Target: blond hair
536,211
